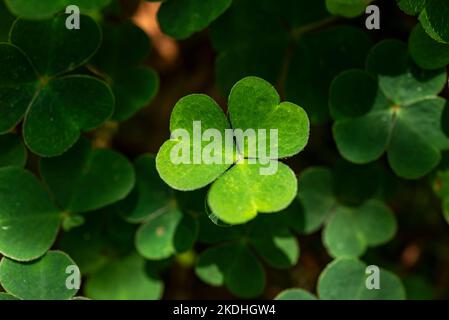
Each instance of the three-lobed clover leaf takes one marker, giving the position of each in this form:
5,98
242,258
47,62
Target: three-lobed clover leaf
391,108
43,279
182,18
124,279
237,194
350,227
13,152
33,85
38,9
346,279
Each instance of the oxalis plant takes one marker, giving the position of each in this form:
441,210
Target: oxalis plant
284,149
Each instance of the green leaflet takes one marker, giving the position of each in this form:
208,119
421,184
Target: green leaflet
295,294
349,228
252,191
38,9
29,221
345,279
182,18
347,8
86,179
133,85
43,279
125,279
13,152
405,106
32,86
426,52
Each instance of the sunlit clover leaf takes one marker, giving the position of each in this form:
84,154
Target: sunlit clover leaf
232,265
345,279
43,279
124,279
295,294
85,179
401,116
426,52
29,221
347,8
55,108
253,104
38,9
13,152
120,58
182,18
349,228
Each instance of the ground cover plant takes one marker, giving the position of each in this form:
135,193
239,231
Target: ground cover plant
192,149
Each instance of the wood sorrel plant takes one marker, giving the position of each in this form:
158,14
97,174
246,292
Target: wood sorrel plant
95,201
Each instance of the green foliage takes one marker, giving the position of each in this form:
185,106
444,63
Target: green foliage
386,113
265,194
77,172
43,279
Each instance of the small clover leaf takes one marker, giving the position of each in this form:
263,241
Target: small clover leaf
295,294
85,179
182,18
385,118
43,279
29,221
124,279
120,58
349,228
13,151
55,107
38,9
347,8
345,279
251,191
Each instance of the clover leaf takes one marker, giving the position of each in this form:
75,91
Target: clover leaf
432,14
349,228
295,294
38,9
29,221
426,52
347,8
119,60
55,107
239,193
43,279
182,18
85,179
383,117
124,279
13,151
345,279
